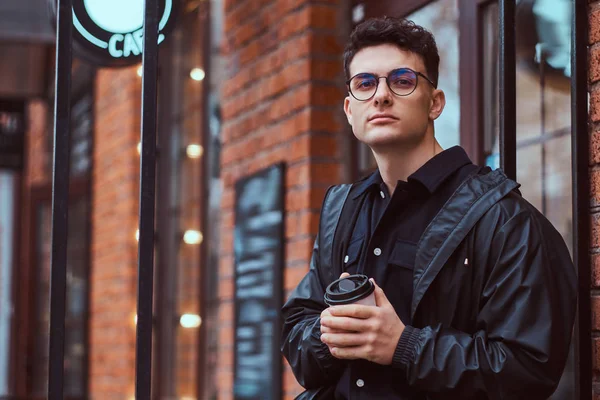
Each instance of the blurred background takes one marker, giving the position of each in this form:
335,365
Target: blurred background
250,135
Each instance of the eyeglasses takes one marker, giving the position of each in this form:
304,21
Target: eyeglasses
401,81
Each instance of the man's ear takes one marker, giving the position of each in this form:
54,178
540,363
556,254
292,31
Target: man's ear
347,109
438,102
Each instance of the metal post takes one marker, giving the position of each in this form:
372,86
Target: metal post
581,195
143,356
508,93
60,199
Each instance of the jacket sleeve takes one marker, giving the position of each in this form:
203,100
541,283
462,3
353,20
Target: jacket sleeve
523,327
310,359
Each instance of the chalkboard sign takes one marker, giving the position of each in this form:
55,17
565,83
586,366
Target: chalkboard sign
258,248
12,134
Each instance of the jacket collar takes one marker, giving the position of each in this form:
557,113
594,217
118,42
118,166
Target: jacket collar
430,175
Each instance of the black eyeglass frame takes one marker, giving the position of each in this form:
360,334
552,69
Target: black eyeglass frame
378,78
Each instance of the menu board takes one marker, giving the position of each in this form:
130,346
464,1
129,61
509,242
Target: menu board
259,262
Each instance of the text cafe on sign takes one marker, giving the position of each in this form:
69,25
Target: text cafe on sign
110,32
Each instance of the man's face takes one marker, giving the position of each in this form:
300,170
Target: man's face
386,118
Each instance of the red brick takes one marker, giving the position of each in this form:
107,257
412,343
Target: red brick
594,24
596,355
299,249
595,227
595,104
595,147
594,60
595,187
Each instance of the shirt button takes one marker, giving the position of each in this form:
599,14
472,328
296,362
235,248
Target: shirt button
382,194
377,251
360,383
346,259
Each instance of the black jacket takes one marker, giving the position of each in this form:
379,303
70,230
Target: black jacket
497,327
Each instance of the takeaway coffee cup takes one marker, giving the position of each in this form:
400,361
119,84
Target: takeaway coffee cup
353,289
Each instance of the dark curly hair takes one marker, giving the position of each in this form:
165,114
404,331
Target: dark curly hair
396,31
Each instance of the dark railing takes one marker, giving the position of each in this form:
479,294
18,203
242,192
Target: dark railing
143,350
60,198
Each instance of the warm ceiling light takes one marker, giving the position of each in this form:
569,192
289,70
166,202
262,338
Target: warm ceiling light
140,71
190,320
192,237
194,151
139,147
137,235
197,74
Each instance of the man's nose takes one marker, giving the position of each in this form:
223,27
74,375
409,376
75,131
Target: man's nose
383,94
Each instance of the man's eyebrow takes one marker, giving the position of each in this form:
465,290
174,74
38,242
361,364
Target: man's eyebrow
373,73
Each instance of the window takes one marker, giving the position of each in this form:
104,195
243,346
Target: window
543,116
180,204
36,278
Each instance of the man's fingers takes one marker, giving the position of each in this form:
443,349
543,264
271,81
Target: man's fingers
325,329
352,310
344,324
343,339
349,353
344,274
380,298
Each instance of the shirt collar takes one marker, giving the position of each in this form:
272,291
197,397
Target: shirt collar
431,174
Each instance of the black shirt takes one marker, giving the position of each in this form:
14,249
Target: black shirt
383,246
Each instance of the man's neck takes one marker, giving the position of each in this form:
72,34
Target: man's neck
398,163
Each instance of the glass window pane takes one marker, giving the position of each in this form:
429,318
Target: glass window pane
8,188
76,307
543,117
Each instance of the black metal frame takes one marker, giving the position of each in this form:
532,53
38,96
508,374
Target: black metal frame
581,195
60,199
508,89
143,350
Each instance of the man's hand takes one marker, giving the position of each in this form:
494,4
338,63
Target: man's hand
356,331
326,313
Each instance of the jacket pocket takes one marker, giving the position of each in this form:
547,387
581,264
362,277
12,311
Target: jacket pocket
352,256
404,254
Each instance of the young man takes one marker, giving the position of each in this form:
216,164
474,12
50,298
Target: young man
475,289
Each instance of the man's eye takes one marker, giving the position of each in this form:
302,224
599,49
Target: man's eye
366,84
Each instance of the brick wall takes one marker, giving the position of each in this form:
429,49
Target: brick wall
114,223
281,101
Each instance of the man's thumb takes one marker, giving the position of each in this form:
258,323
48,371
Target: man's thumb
344,274
380,298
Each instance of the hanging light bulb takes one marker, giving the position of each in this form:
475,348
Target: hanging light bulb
197,74
194,151
192,237
190,321
140,71
139,148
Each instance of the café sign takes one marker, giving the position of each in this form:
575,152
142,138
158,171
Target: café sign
110,32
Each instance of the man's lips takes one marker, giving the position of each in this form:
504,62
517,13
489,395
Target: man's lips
382,118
